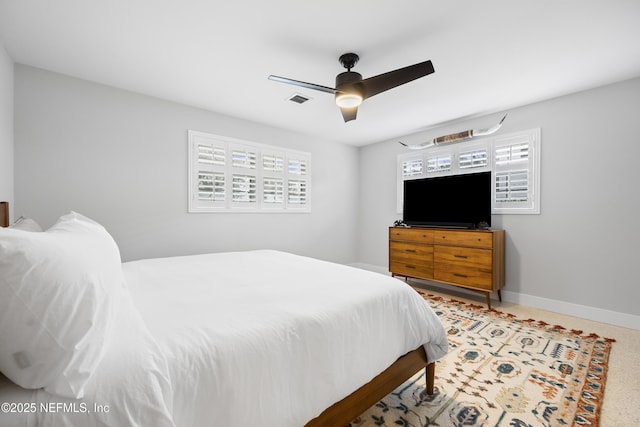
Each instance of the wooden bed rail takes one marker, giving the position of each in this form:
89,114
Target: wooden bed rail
4,214
346,410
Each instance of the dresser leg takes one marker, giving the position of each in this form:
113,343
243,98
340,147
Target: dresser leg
499,296
489,300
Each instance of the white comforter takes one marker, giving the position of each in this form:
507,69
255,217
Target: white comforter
250,338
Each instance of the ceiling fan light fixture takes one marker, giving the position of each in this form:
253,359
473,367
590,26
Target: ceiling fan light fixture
348,100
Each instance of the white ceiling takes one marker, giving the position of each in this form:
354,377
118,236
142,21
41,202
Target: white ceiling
489,55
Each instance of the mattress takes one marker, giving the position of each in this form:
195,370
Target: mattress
247,338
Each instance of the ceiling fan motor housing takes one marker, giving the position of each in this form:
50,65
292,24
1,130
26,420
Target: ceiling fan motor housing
348,82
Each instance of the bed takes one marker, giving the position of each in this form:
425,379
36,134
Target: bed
240,338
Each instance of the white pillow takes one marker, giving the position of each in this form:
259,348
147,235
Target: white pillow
26,224
57,295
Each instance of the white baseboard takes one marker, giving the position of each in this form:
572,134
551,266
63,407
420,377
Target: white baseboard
625,320
583,311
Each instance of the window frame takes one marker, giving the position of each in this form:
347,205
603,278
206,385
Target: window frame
258,165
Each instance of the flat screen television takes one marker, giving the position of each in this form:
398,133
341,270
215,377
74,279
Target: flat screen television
459,201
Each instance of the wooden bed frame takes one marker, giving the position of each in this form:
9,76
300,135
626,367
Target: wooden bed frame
4,214
343,412
349,408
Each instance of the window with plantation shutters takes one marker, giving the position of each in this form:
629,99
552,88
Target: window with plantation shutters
516,174
441,161
513,159
230,175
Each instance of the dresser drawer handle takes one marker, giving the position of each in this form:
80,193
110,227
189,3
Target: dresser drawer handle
410,266
413,251
461,256
460,275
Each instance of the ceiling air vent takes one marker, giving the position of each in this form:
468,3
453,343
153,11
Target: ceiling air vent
298,99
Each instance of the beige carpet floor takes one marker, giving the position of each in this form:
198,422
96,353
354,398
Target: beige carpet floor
621,406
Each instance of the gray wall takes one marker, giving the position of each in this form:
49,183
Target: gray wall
121,158
6,127
583,247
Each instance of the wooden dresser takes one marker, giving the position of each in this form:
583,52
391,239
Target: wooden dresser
471,259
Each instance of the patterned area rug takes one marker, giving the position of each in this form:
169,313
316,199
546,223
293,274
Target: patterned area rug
501,371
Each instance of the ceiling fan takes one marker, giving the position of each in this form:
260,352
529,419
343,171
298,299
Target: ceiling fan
351,89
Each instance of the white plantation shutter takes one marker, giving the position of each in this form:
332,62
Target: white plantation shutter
244,176
273,191
297,192
207,173
273,162
297,167
440,163
211,186
512,186
474,159
273,181
297,183
245,159
508,154
243,188
209,153
516,174
229,175
412,168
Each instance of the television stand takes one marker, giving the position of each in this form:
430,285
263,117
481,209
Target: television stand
470,259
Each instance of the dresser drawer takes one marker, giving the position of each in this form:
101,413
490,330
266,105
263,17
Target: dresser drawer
411,251
466,257
411,269
421,235
468,276
478,239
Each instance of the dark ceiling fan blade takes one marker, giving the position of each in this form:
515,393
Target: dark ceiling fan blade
302,84
382,82
349,114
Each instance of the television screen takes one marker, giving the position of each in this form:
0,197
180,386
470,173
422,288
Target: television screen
448,201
